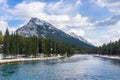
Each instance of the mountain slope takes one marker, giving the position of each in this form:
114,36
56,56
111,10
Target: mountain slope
44,29
79,37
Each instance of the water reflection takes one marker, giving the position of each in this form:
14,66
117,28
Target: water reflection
111,61
114,61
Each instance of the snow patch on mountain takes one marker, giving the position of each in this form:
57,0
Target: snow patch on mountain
78,37
38,21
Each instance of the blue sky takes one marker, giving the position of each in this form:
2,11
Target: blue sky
98,21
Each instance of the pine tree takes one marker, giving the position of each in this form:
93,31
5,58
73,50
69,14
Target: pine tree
16,42
44,50
6,42
12,45
34,41
1,38
21,45
39,45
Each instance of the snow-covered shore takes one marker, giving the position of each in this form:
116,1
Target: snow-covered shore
108,56
27,59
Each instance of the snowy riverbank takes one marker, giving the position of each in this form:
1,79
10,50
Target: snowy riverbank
108,56
27,59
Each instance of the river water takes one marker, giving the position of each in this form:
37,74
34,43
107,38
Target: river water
77,67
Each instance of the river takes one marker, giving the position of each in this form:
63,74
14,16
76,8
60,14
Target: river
77,67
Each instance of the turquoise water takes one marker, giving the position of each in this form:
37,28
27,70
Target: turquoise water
78,67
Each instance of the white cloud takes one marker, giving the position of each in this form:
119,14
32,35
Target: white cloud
55,6
4,25
26,10
1,1
36,9
112,5
78,20
114,30
63,7
4,10
78,2
109,21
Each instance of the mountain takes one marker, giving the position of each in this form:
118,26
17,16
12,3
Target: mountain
79,37
44,29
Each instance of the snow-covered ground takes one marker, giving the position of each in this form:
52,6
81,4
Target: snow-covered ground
108,56
27,59
1,56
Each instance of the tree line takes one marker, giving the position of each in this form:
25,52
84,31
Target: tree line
14,44
112,48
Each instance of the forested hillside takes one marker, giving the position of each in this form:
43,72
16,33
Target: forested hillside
15,44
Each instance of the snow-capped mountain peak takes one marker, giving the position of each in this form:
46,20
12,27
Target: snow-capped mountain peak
78,37
37,21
